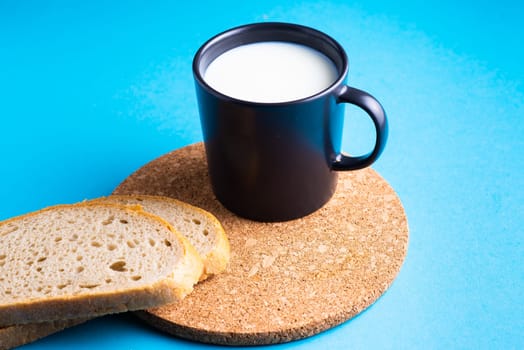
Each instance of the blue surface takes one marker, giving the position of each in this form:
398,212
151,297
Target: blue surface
91,92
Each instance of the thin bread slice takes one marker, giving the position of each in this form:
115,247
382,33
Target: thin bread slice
91,259
14,336
201,228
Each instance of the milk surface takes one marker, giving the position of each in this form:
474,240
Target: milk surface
271,72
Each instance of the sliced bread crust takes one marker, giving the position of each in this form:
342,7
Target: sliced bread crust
91,259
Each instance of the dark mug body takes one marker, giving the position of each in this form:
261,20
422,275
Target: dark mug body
274,161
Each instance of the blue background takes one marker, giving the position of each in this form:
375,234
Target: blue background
90,92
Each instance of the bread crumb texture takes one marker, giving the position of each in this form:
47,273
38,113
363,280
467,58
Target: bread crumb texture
200,227
184,218
82,249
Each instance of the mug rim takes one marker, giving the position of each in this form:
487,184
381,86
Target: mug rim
265,29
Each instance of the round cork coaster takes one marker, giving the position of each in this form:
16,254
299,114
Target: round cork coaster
286,280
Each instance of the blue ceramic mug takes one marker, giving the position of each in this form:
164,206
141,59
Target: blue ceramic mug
272,158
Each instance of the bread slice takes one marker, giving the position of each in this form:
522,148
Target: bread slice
201,228
91,259
13,336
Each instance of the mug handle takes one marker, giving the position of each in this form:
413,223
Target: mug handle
375,111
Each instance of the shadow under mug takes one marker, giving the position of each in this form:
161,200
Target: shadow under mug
279,161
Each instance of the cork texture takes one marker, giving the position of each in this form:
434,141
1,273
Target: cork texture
286,280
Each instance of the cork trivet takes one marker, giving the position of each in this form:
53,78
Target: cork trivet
285,280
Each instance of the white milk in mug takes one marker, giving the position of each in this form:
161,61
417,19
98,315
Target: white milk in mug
271,72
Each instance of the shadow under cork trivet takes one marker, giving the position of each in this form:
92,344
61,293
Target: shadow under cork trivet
286,280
